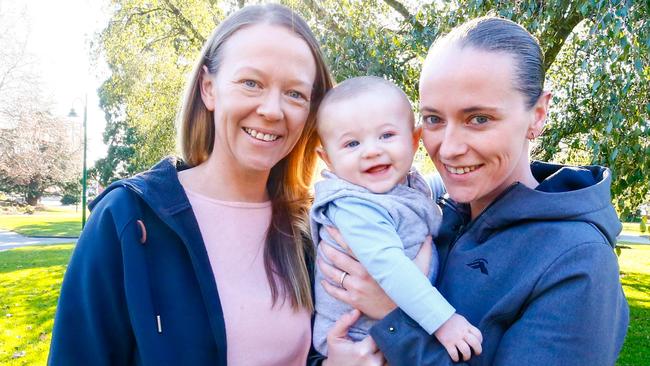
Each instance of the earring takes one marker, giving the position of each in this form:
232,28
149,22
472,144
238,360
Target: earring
531,136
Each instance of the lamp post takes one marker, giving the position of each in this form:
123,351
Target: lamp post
84,176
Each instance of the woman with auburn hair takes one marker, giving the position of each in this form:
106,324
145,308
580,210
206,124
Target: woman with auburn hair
207,260
526,248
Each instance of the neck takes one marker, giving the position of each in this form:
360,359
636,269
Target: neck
223,182
525,177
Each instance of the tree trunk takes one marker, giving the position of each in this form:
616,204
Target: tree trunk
34,193
32,198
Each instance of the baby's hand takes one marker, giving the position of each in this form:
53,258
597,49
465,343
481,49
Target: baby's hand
458,335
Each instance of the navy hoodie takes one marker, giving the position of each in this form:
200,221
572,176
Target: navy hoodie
139,289
535,272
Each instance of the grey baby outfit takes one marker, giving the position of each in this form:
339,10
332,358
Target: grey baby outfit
384,231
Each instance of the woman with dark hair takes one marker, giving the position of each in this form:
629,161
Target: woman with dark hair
206,261
526,248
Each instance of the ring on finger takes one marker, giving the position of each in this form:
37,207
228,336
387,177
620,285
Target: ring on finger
343,275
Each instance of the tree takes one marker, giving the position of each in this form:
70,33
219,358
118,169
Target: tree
596,58
150,47
35,154
16,77
35,147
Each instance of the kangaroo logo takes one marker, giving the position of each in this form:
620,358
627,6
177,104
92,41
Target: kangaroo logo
480,264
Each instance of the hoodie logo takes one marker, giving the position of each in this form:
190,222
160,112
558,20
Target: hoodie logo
480,264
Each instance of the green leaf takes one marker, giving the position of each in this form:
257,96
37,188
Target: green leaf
595,86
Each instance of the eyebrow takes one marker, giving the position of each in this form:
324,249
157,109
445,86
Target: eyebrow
345,136
291,81
467,110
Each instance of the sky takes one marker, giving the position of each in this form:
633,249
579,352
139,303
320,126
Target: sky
58,38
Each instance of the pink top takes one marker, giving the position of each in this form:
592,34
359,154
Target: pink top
256,333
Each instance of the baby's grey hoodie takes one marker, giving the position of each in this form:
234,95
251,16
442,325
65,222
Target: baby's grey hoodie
412,210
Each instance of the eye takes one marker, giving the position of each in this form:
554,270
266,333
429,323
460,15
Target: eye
350,144
294,94
479,120
250,83
431,120
386,135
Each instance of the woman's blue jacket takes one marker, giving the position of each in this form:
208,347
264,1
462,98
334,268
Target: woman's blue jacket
535,272
139,288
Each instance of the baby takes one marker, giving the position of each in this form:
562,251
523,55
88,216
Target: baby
382,208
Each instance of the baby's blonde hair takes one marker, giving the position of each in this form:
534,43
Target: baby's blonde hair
358,86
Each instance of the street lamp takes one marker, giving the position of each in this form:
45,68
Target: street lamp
85,171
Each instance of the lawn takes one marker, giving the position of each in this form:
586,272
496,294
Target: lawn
30,278
633,227
54,222
635,268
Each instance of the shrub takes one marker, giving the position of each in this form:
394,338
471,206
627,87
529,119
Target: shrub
69,199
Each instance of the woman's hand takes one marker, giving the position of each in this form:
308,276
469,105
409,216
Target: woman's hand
360,290
342,351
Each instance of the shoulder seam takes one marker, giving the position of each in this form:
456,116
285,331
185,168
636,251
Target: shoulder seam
561,255
132,213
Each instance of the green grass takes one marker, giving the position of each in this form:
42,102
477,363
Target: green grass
633,227
55,222
30,279
635,268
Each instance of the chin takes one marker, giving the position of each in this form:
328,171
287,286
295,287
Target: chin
260,166
461,195
379,189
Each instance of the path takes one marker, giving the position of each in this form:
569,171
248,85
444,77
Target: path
636,239
10,240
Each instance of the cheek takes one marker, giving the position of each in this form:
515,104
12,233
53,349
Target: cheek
431,141
296,121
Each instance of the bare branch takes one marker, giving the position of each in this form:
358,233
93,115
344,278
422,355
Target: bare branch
400,8
322,14
187,24
159,39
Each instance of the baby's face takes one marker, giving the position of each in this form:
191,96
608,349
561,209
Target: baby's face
369,140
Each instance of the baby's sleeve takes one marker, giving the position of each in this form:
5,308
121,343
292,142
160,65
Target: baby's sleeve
369,231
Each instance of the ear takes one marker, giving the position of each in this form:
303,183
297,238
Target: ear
324,157
417,134
540,112
207,89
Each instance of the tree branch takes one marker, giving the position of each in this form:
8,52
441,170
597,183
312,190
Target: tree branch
556,33
159,39
187,24
322,14
400,8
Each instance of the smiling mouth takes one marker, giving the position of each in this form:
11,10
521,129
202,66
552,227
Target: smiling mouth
462,169
377,169
259,135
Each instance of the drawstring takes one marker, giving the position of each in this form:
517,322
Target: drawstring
143,232
143,241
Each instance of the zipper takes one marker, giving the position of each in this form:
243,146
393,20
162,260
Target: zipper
459,232
466,226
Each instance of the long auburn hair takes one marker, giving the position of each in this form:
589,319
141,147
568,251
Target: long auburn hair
288,247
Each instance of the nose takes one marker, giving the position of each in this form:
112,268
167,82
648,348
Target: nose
453,142
271,106
371,150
